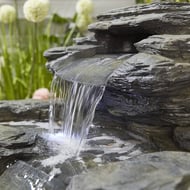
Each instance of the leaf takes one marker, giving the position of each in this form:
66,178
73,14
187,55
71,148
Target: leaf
22,82
52,38
60,20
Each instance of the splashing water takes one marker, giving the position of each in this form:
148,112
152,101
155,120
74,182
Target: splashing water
72,109
77,88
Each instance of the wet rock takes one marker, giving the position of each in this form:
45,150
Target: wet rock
20,143
23,110
166,170
101,142
173,46
182,137
13,138
57,56
23,176
69,168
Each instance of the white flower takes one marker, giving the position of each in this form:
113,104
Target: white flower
36,10
7,14
84,7
83,21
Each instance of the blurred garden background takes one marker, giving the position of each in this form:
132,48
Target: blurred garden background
28,28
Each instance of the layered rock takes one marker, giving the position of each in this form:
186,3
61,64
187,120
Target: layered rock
23,110
165,170
150,86
119,29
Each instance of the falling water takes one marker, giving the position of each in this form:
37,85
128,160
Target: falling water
72,109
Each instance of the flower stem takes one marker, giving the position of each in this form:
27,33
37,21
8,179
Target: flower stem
69,37
35,53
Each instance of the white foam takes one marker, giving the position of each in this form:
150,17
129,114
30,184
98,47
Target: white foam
63,146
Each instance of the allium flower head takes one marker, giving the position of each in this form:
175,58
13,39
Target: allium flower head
36,10
84,7
7,14
83,21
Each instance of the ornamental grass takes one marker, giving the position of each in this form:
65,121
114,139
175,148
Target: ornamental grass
23,42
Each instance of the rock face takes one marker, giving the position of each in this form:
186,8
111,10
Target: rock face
23,151
23,110
150,87
165,170
172,46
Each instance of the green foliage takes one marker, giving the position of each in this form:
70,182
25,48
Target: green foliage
22,65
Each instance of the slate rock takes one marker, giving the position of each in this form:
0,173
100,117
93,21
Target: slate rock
86,40
143,9
163,170
13,138
117,31
17,143
19,110
182,137
165,18
158,137
150,89
173,46
23,176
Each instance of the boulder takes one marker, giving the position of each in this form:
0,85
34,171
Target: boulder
162,170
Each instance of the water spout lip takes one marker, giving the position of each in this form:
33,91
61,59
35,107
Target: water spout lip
94,70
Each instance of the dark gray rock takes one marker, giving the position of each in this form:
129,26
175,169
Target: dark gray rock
182,137
87,40
23,110
101,142
19,143
160,138
13,138
143,9
173,19
58,56
150,89
173,46
87,69
163,170
146,90
118,30
23,176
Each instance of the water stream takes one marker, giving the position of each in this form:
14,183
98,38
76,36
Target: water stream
76,89
72,110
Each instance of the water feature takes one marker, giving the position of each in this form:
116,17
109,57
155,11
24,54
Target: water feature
76,90
72,109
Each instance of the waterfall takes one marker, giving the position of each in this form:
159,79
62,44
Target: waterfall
72,109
